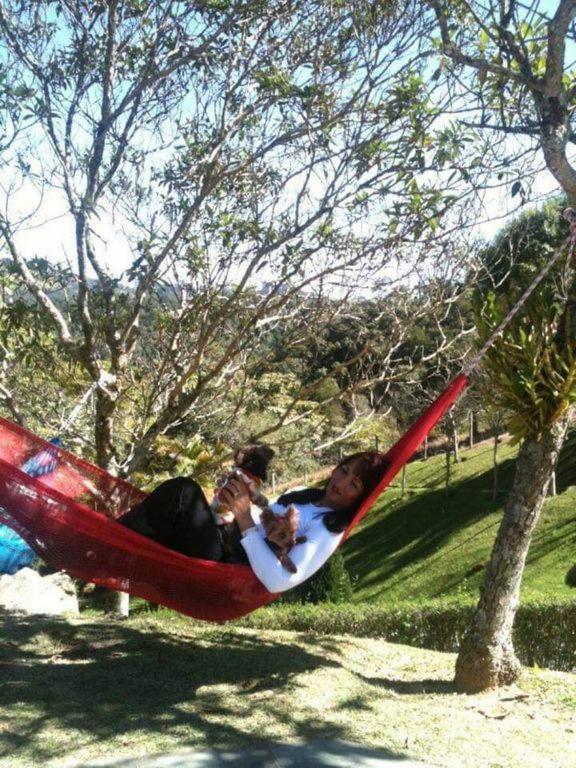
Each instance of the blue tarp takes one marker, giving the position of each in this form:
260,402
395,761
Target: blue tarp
14,552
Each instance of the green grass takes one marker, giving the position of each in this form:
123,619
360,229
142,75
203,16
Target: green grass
429,545
79,690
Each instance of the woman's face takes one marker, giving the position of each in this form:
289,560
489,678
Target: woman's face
345,488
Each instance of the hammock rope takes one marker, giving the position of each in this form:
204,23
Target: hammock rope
473,363
68,516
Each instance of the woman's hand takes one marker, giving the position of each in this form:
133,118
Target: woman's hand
235,497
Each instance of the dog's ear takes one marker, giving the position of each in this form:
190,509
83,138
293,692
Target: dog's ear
266,452
267,515
241,455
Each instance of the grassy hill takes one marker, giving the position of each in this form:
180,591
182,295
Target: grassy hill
431,545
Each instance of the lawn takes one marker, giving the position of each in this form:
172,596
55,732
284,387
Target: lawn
84,689
431,545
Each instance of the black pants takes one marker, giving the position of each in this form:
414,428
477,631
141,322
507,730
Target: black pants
177,515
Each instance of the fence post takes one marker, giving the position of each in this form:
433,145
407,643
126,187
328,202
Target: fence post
495,466
552,485
403,480
124,604
471,428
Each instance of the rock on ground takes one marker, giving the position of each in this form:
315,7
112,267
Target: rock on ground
28,592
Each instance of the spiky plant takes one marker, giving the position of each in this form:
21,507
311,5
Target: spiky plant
531,369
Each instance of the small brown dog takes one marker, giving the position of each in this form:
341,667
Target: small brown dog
251,466
280,533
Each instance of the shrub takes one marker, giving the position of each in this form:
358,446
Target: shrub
570,579
331,584
438,627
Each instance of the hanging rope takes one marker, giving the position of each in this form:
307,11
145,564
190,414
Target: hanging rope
570,243
65,425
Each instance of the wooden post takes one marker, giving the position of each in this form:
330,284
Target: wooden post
448,468
376,443
403,480
124,604
552,485
456,444
495,466
471,428
425,447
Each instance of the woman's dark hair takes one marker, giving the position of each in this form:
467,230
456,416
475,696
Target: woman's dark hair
370,468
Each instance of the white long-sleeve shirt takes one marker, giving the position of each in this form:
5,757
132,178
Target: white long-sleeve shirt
308,557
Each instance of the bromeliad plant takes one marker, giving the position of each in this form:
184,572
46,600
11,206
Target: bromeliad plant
532,367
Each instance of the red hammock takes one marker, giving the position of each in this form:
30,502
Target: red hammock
67,516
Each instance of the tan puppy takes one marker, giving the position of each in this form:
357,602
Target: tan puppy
280,533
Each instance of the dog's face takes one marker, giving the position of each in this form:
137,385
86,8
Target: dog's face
281,530
254,459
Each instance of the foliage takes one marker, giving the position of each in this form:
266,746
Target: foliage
202,131
192,457
505,67
532,365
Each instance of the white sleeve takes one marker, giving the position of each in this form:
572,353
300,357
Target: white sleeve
308,557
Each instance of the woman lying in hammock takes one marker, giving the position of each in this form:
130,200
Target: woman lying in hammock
177,515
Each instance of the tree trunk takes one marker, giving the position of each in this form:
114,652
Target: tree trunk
487,658
104,428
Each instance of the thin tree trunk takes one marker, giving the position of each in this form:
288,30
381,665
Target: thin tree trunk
448,468
487,658
471,429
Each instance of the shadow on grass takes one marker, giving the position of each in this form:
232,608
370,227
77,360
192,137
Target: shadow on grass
100,681
111,679
411,687
402,532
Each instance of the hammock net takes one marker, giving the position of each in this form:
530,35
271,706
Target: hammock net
67,515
